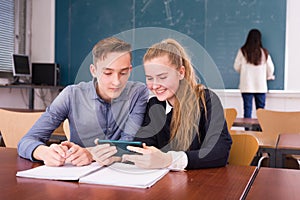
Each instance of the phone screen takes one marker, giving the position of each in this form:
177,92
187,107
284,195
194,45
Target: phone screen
121,145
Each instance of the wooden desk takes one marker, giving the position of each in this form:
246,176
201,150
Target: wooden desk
288,143
31,88
218,183
273,183
267,143
251,123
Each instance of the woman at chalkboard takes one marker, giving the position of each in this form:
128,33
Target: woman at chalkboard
255,66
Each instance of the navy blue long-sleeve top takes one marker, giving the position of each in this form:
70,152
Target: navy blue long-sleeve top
213,147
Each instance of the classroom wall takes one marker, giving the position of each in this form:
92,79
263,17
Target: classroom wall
276,100
42,42
292,46
43,50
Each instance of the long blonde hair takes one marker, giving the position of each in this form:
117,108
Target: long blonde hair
186,110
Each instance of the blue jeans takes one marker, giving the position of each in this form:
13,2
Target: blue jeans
260,100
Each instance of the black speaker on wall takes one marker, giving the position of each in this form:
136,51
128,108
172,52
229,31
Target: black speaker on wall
45,74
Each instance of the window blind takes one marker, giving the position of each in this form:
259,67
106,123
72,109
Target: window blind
7,34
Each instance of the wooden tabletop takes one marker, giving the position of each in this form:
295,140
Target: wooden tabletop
273,183
264,140
289,141
250,123
218,183
288,144
242,121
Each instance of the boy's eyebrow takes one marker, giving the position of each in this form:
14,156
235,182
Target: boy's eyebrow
110,69
125,68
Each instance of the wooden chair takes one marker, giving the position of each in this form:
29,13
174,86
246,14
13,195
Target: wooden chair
230,116
243,149
66,128
14,125
276,122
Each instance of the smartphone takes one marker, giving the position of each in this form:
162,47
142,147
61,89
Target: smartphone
121,145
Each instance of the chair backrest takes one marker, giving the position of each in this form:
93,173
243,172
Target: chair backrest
276,122
243,149
14,125
66,128
230,116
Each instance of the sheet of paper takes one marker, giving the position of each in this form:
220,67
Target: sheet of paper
66,172
126,175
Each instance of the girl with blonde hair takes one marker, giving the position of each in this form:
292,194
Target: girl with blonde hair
184,126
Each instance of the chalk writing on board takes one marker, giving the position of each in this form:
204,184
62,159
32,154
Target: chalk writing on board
146,4
247,2
168,12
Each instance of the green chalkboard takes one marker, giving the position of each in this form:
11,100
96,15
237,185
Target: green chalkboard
227,26
220,27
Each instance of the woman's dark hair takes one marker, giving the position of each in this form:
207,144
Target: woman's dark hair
253,46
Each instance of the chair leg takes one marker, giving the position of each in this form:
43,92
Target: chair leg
297,158
298,163
264,155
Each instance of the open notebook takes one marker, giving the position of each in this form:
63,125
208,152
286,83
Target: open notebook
117,174
120,174
67,172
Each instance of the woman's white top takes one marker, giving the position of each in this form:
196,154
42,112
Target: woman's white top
253,78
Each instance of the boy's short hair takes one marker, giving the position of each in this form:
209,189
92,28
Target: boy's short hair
109,45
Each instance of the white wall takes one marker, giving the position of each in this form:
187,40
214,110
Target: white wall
43,41
43,31
292,72
275,100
